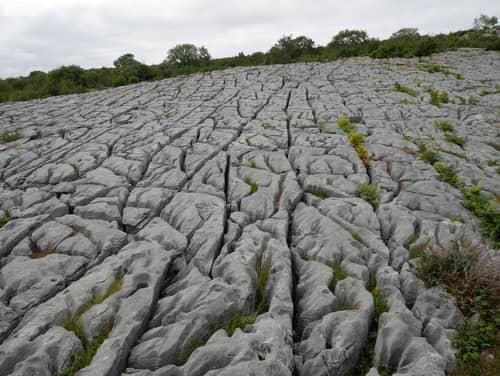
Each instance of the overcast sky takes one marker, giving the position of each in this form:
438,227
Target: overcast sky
45,34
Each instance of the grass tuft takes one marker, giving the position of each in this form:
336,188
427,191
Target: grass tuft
6,137
369,193
318,192
253,185
338,273
444,126
404,89
457,140
448,174
345,124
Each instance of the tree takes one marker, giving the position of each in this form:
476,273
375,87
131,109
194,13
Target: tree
124,60
288,49
407,32
187,54
485,22
349,38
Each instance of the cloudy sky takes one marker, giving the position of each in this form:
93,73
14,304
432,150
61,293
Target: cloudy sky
42,35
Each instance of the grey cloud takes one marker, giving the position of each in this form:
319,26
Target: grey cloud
93,33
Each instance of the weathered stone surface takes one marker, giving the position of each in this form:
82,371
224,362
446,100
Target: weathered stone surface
224,212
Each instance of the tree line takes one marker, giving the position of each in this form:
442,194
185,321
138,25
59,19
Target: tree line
188,58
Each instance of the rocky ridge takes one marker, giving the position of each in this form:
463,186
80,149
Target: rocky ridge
155,215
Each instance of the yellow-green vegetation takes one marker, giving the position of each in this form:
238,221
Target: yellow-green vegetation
346,307
444,126
338,273
357,237
470,277
404,89
345,124
484,93
494,145
5,219
84,357
456,139
239,320
9,136
253,185
318,192
437,98
369,193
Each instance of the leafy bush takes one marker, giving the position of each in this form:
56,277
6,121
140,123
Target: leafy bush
369,193
487,212
472,339
458,140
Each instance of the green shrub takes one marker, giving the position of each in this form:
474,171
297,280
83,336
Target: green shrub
369,193
472,339
486,211
345,124
404,89
444,126
448,174
457,140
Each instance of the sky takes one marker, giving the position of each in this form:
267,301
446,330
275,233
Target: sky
45,34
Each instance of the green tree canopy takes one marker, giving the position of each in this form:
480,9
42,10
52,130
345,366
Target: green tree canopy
187,54
349,38
124,60
485,22
407,32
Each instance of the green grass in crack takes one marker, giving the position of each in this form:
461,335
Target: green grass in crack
263,272
430,156
448,174
437,98
318,192
404,89
5,219
10,136
253,185
369,193
345,124
457,140
253,164
338,273
444,126
486,211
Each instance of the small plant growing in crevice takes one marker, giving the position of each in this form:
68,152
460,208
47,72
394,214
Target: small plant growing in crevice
239,320
346,307
345,124
444,126
457,140
484,93
318,192
454,153
263,272
338,273
406,101
448,174
253,185
404,89
323,126
430,156
253,164
494,145
357,237
437,98
369,193
5,218
6,137
473,100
